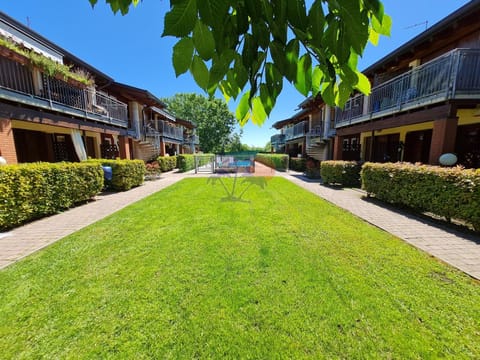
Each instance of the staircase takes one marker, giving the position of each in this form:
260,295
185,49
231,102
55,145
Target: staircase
318,150
317,145
148,146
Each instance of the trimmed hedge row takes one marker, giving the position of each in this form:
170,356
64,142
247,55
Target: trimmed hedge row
448,192
275,161
125,173
298,164
186,162
167,163
345,173
32,191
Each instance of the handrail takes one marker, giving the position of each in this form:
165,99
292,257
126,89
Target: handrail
452,75
57,93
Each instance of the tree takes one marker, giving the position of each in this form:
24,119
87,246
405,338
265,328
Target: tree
235,142
250,46
268,147
215,122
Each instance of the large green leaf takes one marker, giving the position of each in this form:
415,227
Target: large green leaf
203,40
277,51
181,18
303,82
297,14
343,94
182,55
328,93
363,84
383,28
316,19
259,114
292,52
241,74
242,112
274,79
212,12
317,78
267,99
200,72
249,50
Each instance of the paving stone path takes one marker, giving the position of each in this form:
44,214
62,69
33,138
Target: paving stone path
455,248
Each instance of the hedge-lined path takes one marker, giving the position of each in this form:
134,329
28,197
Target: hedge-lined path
26,239
458,249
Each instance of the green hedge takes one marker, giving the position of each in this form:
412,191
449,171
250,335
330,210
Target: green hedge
298,164
125,173
167,163
448,192
186,162
345,173
275,161
32,191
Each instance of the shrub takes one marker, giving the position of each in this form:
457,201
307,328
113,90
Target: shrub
31,191
275,161
312,170
152,170
345,173
298,164
448,192
167,163
186,162
125,173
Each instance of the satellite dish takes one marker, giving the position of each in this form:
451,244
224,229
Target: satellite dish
448,159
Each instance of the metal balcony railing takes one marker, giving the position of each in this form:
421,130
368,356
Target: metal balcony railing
277,139
189,139
170,131
316,131
454,75
295,131
17,84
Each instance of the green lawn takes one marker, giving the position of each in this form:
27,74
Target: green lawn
187,274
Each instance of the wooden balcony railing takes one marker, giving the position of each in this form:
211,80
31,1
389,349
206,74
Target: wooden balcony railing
455,75
19,83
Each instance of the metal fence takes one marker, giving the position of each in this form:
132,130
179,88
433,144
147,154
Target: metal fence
20,78
452,75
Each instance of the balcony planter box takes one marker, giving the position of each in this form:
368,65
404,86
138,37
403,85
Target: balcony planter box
26,61
13,55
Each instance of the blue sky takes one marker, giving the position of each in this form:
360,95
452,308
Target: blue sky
131,50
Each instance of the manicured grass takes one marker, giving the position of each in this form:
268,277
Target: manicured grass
187,274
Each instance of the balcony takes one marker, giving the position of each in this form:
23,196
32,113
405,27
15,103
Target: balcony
277,142
191,139
171,131
296,131
17,85
455,75
316,131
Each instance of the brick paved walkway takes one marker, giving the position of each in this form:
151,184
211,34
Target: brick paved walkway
458,249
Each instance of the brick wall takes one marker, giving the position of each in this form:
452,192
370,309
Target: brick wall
7,143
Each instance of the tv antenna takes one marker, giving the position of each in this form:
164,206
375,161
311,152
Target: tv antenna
28,22
418,24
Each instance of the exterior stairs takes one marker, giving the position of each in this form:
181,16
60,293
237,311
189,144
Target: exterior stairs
317,149
148,146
